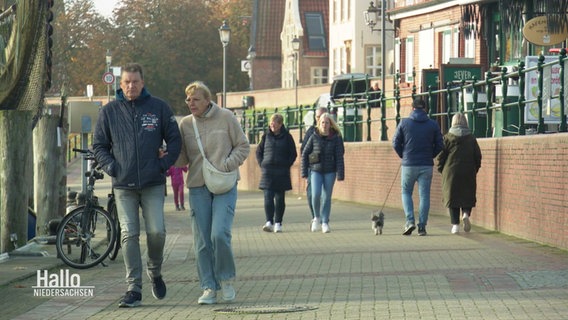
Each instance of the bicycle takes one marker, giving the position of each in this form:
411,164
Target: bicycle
88,234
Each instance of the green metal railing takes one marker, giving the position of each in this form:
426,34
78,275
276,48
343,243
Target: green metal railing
355,112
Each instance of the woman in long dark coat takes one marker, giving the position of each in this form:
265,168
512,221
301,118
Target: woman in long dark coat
275,155
459,163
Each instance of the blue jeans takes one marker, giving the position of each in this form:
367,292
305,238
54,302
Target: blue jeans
274,205
409,176
322,188
128,202
212,220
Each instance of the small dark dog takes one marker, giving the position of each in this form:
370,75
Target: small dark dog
377,222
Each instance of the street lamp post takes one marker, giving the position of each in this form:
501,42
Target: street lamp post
225,35
372,15
296,48
108,58
250,57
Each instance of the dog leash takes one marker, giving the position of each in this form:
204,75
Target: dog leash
390,189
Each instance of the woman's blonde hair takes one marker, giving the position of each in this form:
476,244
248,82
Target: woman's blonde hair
332,123
460,120
198,86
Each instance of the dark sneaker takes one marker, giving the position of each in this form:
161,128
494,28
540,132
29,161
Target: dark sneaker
421,231
408,229
130,300
158,288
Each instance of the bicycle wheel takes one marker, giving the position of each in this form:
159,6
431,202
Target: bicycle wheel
113,214
81,247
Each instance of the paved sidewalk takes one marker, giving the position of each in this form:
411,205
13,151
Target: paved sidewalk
347,274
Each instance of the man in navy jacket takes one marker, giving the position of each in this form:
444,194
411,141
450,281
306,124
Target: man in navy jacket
417,141
128,144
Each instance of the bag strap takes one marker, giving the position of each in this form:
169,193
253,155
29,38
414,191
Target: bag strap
198,138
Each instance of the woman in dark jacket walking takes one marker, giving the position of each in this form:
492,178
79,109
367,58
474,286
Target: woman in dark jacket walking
459,163
323,155
275,155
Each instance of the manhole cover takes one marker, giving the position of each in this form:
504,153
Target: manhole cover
264,309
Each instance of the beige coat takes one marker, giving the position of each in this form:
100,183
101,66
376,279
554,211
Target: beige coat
223,139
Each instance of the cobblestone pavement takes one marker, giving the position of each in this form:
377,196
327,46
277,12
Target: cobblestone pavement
347,274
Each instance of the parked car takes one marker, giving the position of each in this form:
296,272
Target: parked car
344,87
349,86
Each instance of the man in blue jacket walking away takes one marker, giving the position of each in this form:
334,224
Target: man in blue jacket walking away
417,141
128,144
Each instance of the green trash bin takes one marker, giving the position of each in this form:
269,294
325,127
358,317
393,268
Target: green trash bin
351,125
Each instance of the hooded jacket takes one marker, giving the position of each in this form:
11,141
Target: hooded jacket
128,137
417,139
459,163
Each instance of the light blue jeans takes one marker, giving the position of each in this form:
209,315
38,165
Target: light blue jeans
409,176
212,221
128,202
322,188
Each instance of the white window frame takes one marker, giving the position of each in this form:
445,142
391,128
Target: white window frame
470,46
373,60
409,59
321,78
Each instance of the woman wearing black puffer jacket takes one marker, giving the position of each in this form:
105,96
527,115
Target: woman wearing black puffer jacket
275,154
323,155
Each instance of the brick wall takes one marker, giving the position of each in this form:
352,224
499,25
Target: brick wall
521,185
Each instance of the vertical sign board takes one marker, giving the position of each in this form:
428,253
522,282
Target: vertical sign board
431,78
550,90
83,116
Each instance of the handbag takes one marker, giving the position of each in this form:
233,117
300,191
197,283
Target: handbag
218,182
314,157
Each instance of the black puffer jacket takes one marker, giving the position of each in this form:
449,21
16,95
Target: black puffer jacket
275,155
128,136
331,151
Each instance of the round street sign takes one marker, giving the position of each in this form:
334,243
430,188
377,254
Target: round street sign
108,78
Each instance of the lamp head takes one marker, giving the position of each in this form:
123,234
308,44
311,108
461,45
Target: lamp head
225,33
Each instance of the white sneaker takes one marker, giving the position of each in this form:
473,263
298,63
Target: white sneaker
267,227
455,228
325,228
278,227
466,223
315,224
209,297
229,293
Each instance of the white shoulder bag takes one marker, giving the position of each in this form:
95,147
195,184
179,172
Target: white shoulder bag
218,182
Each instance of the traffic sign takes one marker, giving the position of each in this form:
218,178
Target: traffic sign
108,78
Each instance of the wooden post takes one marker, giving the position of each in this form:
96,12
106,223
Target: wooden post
49,168
16,169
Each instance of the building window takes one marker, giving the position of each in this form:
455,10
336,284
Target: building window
409,61
373,61
319,75
469,47
315,30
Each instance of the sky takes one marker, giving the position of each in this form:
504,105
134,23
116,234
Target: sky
105,7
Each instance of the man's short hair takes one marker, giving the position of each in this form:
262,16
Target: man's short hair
133,67
419,104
